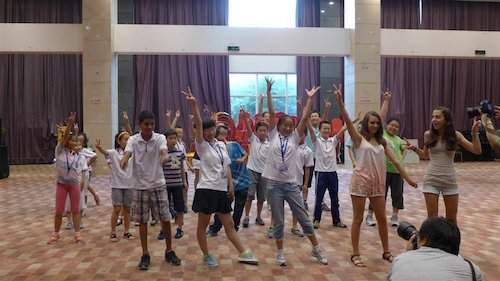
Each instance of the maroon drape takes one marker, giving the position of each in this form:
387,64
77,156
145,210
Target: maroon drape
159,79
308,68
421,84
38,91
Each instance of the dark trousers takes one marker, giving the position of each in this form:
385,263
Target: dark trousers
240,198
330,181
395,183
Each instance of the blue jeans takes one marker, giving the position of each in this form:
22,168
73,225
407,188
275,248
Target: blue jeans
277,194
330,181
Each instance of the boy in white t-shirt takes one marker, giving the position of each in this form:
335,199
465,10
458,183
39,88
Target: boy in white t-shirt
326,168
150,152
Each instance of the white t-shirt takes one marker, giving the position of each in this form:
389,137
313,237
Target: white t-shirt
326,154
259,151
214,160
281,159
147,170
304,159
69,166
88,154
120,178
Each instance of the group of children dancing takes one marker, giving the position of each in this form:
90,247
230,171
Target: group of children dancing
149,175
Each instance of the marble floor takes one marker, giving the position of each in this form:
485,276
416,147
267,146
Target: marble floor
26,216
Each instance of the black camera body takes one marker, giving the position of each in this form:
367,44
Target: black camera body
406,230
485,107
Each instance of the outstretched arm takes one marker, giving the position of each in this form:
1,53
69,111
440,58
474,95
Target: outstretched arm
385,105
355,136
475,145
126,122
261,105
245,120
422,153
305,115
196,115
167,117
327,109
176,118
270,105
71,122
491,134
99,147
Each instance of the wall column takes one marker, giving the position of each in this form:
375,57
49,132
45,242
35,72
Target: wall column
100,73
362,67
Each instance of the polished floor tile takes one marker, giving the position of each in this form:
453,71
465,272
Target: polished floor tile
26,216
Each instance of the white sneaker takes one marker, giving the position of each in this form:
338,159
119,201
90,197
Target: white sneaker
394,220
318,253
280,259
370,221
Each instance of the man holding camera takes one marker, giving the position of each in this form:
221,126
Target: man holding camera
492,134
434,254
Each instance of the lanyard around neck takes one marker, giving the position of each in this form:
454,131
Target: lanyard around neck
219,153
283,148
70,166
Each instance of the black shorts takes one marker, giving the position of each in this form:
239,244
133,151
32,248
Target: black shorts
177,195
210,201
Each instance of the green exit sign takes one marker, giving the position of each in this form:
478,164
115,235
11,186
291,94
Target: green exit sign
480,52
233,48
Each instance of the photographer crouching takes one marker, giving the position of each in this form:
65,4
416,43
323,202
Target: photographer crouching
432,253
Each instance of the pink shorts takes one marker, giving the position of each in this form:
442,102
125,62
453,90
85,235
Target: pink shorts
62,191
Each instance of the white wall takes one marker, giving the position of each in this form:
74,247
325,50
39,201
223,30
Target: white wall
40,38
182,39
439,43
262,64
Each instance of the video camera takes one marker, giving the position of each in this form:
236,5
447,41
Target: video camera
484,107
406,230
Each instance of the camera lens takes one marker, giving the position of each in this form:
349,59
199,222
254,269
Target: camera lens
406,230
473,112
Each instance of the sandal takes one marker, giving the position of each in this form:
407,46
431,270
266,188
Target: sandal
356,260
128,236
113,238
388,256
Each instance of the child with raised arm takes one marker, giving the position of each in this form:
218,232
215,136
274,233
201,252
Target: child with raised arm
259,149
149,151
211,194
121,184
326,171
281,178
368,178
70,169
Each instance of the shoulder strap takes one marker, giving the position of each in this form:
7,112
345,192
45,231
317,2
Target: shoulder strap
472,270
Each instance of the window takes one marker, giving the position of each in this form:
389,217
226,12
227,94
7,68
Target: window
246,88
262,13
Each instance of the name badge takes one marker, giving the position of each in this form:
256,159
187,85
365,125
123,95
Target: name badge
283,167
67,178
223,175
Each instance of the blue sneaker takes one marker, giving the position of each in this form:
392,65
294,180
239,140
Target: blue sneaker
161,235
248,257
210,261
82,226
69,225
211,233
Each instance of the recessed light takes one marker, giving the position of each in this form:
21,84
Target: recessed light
322,11
331,3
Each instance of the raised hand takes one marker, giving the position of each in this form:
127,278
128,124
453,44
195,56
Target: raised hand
98,144
476,126
313,91
497,111
242,110
409,145
177,114
299,102
190,97
358,116
261,97
387,94
191,116
71,119
327,103
125,116
168,113
337,93
269,82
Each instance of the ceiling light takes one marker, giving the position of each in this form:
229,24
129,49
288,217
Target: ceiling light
322,11
331,3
